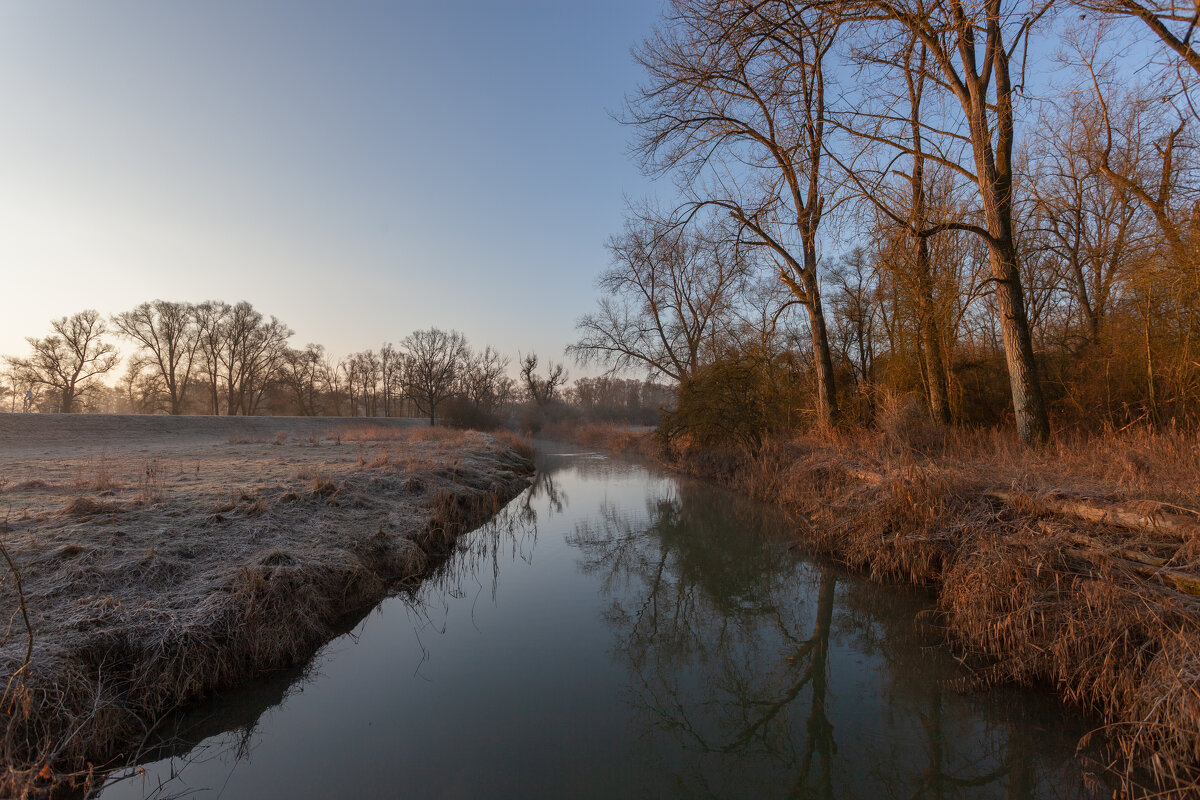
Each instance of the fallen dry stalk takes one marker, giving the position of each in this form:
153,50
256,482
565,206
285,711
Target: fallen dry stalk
1159,523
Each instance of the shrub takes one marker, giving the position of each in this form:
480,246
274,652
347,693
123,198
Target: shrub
736,400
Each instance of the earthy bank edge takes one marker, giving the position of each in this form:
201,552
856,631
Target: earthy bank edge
81,702
1045,569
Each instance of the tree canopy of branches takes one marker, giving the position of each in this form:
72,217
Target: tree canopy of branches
669,294
1172,22
433,361
69,359
735,106
167,335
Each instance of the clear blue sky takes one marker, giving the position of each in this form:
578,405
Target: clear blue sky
359,169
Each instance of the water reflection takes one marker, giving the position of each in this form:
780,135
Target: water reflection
218,736
775,677
619,632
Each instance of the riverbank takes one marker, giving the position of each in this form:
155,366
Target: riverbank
1075,565
163,559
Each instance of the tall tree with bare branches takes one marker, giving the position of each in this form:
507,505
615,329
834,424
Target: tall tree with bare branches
734,105
167,335
971,45
669,294
432,362
70,358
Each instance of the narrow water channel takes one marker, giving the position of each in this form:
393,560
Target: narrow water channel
620,632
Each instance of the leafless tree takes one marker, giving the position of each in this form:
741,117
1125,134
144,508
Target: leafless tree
1093,225
970,46
142,386
301,372
542,391
252,350
854,314
1173,22
433,360
211,317
363,371
389,376
168,335
1138,147
735,106
669,293
484,380
70,358
905,198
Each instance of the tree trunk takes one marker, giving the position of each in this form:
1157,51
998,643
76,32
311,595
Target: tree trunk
994,173
935,364
1029,410
822,359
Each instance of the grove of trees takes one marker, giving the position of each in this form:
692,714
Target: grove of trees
217,358
988,203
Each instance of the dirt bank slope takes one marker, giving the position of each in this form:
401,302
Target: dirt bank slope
162,560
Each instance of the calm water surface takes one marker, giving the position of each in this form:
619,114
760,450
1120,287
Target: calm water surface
620,632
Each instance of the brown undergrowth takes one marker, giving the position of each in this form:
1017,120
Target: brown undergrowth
142,604
611,436
1033,584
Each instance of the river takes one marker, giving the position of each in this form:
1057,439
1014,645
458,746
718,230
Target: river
622,632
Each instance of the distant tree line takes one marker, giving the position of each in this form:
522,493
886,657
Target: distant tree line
217,358
1004,255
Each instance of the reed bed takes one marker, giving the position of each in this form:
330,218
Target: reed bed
1033,587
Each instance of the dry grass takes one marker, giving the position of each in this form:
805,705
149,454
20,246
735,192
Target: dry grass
603,435
202,574
518,444
1093,608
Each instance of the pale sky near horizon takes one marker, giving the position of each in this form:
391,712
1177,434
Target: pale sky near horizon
358,169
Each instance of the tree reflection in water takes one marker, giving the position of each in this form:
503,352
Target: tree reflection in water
758,665
739,670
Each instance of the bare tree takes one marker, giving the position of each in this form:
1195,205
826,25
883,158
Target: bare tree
1093,225
433,360
301,372
363,372
908,204
1173,22
854,314
1137,147
669,293
970,46
70,358
252,349
484,380
735,104
142,386
168,335
389,376
211,317
542,391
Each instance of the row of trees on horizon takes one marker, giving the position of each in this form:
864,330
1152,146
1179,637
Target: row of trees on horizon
218,358
1013,187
